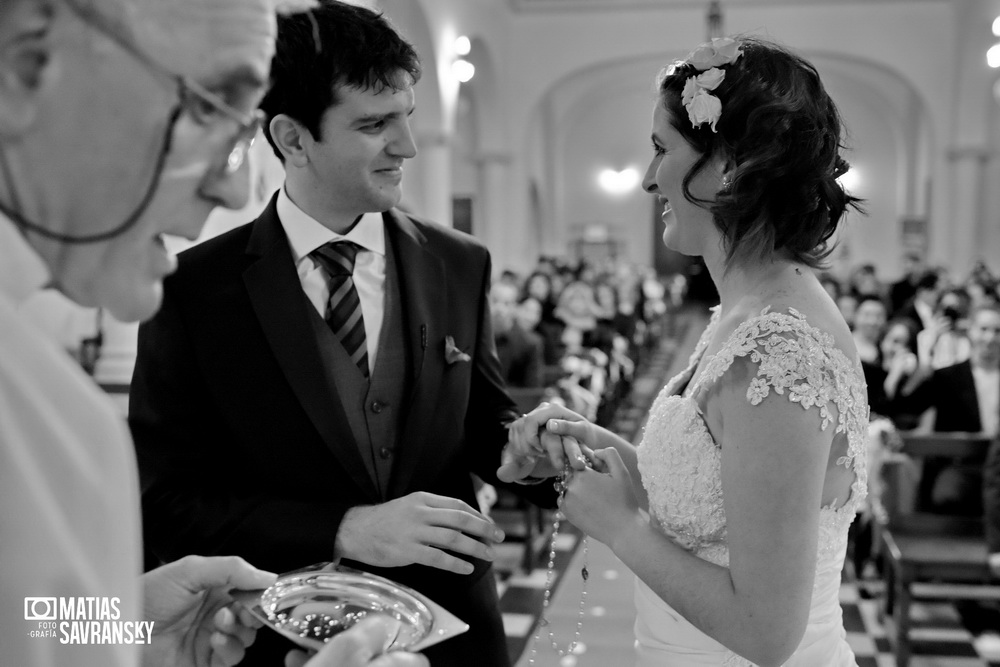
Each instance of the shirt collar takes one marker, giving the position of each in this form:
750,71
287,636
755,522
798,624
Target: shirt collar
22,271
305,233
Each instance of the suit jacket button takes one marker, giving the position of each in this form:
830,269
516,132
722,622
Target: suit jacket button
377,406
385,453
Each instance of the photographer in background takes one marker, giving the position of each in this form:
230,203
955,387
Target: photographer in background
944,342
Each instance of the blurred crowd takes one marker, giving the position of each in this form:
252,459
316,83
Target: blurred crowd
906,329
930,348
573,333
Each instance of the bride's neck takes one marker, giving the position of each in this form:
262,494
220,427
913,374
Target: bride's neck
758,278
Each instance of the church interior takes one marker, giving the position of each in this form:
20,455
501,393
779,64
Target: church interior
532,128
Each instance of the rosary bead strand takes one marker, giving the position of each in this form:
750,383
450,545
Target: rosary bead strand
543,622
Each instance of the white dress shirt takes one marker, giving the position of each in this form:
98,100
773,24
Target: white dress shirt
988,393
68,482
306,234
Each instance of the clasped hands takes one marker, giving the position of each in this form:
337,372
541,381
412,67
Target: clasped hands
599,498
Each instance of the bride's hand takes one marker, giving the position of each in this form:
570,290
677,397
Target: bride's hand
535,446
601,502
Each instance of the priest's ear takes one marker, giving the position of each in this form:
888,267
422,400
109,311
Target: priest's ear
26,54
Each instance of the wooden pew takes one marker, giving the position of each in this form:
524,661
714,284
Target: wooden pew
929,556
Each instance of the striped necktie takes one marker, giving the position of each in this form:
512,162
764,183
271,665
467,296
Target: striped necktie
343,308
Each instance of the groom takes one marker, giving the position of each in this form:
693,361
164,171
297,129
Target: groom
335,353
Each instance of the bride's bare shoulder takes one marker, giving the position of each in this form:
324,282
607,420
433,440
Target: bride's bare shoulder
808,302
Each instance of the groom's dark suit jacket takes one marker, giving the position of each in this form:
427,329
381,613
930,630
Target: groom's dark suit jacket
251,432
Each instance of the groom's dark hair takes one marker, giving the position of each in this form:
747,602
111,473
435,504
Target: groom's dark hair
333,45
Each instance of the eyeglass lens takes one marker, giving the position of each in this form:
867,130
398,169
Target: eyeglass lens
244,140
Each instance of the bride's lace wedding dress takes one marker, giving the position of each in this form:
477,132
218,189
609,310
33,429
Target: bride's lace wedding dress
679,463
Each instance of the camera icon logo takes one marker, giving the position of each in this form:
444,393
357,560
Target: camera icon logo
40,609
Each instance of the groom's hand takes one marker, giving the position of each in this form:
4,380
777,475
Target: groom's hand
417,528
537,448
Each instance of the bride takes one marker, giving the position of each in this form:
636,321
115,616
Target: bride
733,512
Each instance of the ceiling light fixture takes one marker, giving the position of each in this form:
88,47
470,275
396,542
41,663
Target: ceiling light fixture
460,67
618,182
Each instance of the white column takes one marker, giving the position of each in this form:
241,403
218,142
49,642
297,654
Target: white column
955,230
555,232
433,164
508,236
959,237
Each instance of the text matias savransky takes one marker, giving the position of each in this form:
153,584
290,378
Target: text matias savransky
84,620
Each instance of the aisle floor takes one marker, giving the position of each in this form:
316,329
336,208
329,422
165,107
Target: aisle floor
940,637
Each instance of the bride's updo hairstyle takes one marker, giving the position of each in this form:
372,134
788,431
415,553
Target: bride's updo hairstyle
779,134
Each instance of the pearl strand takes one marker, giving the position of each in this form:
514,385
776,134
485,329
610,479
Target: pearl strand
543,622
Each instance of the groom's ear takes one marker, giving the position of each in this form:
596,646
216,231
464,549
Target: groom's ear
292,139
26,62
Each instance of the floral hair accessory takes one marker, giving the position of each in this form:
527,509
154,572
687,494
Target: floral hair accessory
701,105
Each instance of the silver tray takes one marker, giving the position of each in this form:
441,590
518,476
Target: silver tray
312,605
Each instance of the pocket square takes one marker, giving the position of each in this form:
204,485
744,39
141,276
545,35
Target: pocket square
451,352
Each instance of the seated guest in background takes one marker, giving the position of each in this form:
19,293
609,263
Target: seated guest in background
653,295
864,282
966,397
981,292
980,272
920,308
898,350
520,351
895,365
563,276
539,286
613,320
577,309
510,277
903,290
944,342
92,224
528,314
847,304
869,325
580,376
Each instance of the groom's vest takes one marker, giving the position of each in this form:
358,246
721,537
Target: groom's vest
374,406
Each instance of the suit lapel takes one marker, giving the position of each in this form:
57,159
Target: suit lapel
423,285
283,312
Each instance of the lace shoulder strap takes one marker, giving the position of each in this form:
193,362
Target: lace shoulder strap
799,361
795,359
